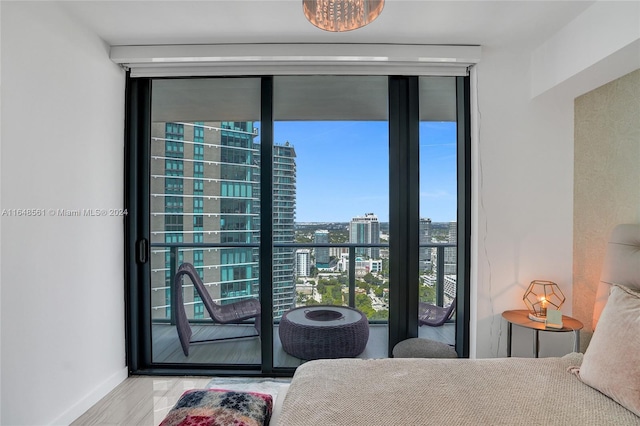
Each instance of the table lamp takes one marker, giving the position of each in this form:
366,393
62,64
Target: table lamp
540,296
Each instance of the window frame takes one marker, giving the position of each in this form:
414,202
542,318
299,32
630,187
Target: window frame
404,222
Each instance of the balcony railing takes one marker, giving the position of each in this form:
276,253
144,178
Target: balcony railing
439,284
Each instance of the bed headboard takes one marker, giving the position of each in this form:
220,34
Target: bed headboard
621,264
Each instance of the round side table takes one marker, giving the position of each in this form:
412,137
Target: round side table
521,317
324,331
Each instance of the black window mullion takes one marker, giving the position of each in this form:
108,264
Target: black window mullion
463,113
403,208
137,312
412,213
266,223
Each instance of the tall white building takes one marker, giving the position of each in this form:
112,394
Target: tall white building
365,230
451,253
425,238
363,266
303,262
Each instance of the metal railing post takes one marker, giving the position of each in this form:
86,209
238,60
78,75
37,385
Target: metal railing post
173,267
440,276
352,276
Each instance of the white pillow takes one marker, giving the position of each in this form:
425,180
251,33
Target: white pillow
611,363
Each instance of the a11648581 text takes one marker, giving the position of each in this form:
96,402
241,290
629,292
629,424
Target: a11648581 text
57,212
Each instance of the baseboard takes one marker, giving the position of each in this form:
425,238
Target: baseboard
80,407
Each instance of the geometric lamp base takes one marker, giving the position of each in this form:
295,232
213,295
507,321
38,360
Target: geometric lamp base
536,318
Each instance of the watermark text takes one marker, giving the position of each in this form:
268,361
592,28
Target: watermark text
31,212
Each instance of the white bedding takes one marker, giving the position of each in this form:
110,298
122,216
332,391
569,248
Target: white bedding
506,391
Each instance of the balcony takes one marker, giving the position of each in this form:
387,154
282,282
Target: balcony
166,346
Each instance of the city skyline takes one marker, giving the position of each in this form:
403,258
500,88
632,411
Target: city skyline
205,183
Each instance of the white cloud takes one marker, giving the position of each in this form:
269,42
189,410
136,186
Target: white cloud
440,193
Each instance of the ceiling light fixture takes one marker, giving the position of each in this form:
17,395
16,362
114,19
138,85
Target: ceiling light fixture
341,15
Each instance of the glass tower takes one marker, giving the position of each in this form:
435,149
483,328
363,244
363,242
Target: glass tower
284,217
425,238
365,230
322,253
204,189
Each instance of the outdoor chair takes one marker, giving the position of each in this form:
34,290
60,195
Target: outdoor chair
435,316
232,313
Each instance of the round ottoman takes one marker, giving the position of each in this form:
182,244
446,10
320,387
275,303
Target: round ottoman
324,331
423,348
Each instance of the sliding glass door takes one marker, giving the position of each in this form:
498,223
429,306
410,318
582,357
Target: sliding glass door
204,204
438,208
330,201
255,196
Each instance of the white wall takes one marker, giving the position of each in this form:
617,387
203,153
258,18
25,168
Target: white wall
523,200
63,342
600,45
523,166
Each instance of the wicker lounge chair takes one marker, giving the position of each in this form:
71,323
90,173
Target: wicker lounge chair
433,315
233,313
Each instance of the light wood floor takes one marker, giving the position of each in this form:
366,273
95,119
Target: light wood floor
143,400
139,400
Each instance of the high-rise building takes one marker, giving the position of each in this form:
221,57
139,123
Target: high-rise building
336,252
205,189
365,230
451,253
303,262
284,217
425,238
321,236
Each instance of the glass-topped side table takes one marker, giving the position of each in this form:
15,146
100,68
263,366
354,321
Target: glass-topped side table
521,317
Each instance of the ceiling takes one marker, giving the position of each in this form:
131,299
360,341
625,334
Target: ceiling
490,24
487,23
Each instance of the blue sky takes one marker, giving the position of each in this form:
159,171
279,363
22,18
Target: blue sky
342,169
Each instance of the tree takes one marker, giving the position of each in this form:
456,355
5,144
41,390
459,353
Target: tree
301,300
385,268
363,285
336,292
327,299
380,315
302,237
339,236
427,293
333,281
363,303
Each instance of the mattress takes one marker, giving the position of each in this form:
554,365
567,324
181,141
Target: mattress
411,391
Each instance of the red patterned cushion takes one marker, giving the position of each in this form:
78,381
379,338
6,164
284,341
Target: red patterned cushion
217,407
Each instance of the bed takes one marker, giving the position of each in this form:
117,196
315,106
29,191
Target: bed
601,387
